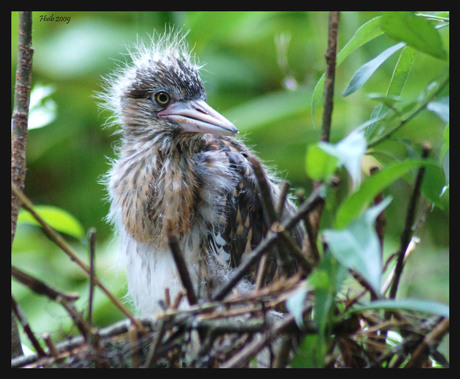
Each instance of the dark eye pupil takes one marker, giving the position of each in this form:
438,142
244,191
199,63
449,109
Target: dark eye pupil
162,97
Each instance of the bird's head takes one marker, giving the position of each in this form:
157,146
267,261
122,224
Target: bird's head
161,91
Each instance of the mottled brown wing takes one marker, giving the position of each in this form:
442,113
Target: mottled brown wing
245,227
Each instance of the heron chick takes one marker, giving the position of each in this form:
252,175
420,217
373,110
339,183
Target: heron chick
179,163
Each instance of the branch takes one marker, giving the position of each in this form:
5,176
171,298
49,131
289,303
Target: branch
430,341
26,327
180,264
269,212
38,286
92,242
66,301
59,241
408,226
331,55
282,199
21,110
287,325
268,207
314,218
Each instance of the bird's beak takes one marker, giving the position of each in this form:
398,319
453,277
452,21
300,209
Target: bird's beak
195,116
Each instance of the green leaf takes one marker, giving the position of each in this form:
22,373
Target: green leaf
57,218
415,31
431,307
310,353
357,247
411,108
323,158
295,302
401,71
353,206
326,281
350,152
319,164
433,184
388,100
396,86
440,108
366,32
363,74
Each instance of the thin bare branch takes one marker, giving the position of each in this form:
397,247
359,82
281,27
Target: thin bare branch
21,111
26,327
331,55
59,241
430,342
92,242
409,223
282,199
41,288
19,129
180,264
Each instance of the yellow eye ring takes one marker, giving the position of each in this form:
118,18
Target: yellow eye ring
162,98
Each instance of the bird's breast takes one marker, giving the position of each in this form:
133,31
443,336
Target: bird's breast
147,191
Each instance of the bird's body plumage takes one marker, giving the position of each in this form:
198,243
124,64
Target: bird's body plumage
179,162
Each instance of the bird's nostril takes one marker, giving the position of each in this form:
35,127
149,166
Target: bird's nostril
201,110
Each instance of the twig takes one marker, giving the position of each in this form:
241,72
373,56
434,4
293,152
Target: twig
92,241
16,347
180,264
59,241
282,199
268,208
279,211
331,55
38,286
282,357
149,362
313,218
285,326
268,242
49,343
430,341
410,249
312,233
135,346
260,273
293,249
21,110
26,327
269,212
410,217
41,288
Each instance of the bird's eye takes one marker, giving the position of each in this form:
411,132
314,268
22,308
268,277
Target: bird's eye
162,98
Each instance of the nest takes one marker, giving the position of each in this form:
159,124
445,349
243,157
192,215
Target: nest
247,331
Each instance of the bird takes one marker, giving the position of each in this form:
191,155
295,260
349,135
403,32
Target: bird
180,162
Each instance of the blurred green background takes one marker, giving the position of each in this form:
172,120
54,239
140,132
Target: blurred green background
261,68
